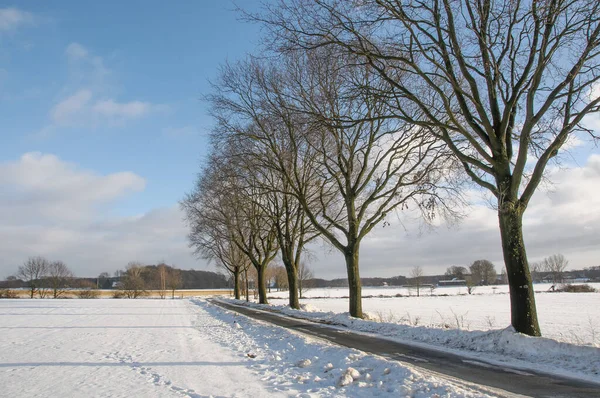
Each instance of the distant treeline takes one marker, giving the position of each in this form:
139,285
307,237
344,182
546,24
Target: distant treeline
196,279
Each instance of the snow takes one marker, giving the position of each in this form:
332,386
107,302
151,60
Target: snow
186,348
565,317
476,325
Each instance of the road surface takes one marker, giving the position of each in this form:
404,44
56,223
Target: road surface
511,382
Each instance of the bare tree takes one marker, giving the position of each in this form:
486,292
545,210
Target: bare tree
161,282
349,166
32,272
211,235
59,278
471,285
483,272
280,277
417,275
536,270
456,271
503,83
305,274
226,201
173,280
133,282
556,265
103,280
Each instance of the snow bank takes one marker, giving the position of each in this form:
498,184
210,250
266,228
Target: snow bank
306,366
500,346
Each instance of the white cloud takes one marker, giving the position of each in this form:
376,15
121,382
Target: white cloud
86,68
13,18
81,109
45,188
111,109
88,99
69,108
76,51
565,220
53,208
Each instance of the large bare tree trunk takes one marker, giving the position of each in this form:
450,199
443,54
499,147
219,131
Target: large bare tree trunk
262,288
292,275
354,285
522,300
247,284
236,283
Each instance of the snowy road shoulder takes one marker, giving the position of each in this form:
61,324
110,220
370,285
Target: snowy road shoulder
288,362
503,348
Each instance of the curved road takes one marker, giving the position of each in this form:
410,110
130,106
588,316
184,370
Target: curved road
503,380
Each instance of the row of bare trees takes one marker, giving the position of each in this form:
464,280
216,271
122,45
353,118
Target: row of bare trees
480,272
302,149
552,267
45,278
502,84
359,109
137,279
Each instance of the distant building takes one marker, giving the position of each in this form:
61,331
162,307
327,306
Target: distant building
453,282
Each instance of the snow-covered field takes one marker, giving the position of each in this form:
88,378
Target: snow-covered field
566,317
184,348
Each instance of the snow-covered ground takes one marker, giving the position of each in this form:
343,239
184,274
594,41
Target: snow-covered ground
476,325
185,348
566,317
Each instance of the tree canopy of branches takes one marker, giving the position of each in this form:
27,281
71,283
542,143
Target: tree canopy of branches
59,278
503,83
555,265
305,275
310,119
33,271
134,285
456,271
212,236
416,275
225,209
483,272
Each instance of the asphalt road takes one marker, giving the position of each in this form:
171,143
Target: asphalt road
487,377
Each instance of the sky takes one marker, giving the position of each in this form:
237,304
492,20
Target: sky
103,130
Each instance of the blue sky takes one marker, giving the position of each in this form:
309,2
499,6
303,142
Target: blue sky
103,131
125,52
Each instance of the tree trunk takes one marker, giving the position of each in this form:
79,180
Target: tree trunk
247,285
262,288
236,284
522,299
292,275
354,286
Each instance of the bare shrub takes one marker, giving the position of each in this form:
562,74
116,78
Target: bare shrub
88,294
568,288
460,320
8,294
470,286
386,317
491,321
410,320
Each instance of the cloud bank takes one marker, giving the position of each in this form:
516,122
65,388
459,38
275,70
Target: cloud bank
55,209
